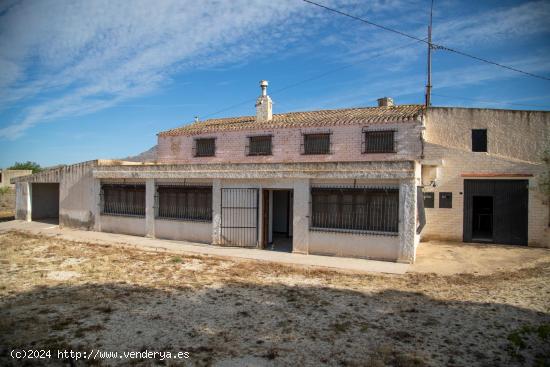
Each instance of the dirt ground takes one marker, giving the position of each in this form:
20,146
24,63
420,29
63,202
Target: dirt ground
61,295
447,258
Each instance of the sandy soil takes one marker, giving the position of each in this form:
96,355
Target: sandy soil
448,258
56,294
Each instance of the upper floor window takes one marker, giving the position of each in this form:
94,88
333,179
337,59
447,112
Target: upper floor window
318,143
205,147
479,140
259,145
379,141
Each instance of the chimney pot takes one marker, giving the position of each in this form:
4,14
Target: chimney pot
385,102
264,105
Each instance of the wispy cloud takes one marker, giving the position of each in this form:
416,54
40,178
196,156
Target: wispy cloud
60,59
87,56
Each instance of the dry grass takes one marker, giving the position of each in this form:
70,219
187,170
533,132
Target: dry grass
7,204
61,294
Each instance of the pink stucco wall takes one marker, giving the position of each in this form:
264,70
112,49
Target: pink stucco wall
345,145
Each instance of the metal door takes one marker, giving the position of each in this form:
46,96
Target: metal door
510,211
239,217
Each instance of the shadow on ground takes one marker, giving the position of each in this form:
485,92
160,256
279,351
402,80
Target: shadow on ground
245,324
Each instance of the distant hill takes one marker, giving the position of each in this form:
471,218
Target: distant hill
147,156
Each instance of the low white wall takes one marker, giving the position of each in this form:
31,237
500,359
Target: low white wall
125,225
183,230
354,245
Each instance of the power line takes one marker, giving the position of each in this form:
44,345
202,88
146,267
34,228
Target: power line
433,45
486,101
322,75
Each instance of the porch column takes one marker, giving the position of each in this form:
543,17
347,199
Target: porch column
300,222
407,221
150,207
216,211
23,193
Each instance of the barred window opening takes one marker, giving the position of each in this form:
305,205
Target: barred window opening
259,145
379,141
205,147
123,200
352,209
184,202
317,143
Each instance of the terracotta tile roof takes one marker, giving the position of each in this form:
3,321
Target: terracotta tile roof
350,116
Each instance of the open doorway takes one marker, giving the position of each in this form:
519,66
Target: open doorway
482,225
277,220
45,202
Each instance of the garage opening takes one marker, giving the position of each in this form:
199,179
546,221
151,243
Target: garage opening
277,220
496,211
45,202
482,226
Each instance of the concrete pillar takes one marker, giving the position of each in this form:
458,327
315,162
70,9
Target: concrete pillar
300,222
150,208
96,204
216,211
23,195
407,221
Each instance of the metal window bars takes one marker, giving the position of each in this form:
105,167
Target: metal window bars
204,147
316,143
182,202
123,200
259,145
373,211
378,141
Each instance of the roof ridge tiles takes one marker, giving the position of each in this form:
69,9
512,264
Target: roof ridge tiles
345,116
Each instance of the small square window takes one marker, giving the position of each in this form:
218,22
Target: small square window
316,143
429,200
205,147
479,140
259,145
446,200
379,142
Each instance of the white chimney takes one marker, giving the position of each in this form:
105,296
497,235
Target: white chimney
385,102
264,105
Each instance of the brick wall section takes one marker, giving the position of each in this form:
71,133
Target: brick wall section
345,142
516,140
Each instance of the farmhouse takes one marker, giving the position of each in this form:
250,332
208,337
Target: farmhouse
360,182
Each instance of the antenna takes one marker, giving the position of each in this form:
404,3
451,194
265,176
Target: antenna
429,83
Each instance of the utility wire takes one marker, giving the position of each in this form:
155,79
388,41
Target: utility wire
322,75
486,101
433,45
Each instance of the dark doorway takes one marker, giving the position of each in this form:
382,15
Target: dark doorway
496,211
482,225
45,202
277,215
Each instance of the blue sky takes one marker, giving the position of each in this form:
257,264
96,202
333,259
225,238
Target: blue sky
82,80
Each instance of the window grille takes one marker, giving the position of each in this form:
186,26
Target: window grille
317,143
259,145
123,199
184,202
379,141
205,147
479,140
355,210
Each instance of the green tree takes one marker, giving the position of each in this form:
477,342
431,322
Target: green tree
35,167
